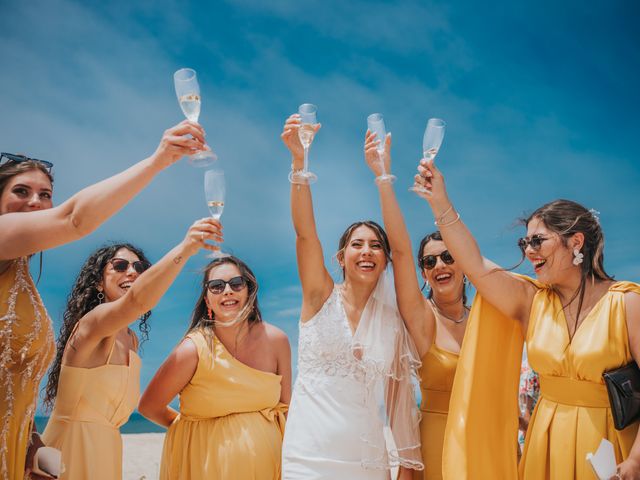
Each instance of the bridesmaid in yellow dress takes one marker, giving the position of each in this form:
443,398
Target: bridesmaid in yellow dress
577,322
436,323
29,224
233,374
95,379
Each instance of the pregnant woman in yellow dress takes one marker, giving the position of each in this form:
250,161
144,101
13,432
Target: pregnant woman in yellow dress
578,323
233,374
436,322
30,224
95,379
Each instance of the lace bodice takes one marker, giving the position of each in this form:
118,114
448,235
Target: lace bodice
324,348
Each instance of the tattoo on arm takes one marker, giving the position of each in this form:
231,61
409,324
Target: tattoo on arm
177,259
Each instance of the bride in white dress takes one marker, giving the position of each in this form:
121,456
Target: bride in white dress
356,361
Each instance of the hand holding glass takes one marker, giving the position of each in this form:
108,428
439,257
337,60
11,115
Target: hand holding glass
188,93
375,124
214,192
306,132
431,142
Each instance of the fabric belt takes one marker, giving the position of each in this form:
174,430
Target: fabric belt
570,391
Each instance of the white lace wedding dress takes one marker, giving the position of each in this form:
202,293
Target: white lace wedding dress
328,415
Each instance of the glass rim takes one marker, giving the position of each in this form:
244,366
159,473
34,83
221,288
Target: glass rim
307,108
178,72
436,122
375,117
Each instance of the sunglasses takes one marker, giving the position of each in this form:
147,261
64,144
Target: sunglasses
121,265
429,261
217,285
11,157
534,242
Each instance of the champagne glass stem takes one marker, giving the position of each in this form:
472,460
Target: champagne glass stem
381,157
306,158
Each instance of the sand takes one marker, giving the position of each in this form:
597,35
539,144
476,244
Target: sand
141,455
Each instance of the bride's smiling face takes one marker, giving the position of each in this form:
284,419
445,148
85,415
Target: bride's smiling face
363,256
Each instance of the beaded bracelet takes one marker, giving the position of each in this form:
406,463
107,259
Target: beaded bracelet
440,225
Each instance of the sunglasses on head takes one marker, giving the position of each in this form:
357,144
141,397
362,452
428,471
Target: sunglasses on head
217,285
429,261
534,242
12,157
121,265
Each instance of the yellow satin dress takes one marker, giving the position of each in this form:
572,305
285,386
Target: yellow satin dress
572,415
231,421
91,406
436,373
26,349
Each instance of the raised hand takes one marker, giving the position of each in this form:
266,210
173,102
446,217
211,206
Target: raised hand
292,140
185,138
201,230
371,155
432,180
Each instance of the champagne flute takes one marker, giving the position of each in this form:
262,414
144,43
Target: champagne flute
188,93
214,192
433,136
375,123
306,132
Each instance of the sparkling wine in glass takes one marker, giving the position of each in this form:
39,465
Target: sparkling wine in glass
433,136
375,124
185,81
306,133
214,192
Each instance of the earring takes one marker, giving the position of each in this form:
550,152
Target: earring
577,257
100,297
464,280
210,313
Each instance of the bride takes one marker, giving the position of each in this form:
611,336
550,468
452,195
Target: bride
356,361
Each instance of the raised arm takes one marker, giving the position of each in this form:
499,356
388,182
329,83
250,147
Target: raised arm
316,281
417,316
108,318
25,233
172,376
507,292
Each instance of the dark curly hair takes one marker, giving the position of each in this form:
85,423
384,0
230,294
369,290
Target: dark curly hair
437,236
82,299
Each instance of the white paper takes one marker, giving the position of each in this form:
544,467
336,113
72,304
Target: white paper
603,461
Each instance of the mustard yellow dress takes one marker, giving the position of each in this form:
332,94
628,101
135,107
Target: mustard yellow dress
26,349
91,405
231,420
572,415
436,373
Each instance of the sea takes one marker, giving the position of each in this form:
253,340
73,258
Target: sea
136,424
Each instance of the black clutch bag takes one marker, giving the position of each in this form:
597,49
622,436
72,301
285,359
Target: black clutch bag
623,387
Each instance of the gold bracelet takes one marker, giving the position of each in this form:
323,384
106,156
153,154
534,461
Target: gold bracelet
440,225
440,219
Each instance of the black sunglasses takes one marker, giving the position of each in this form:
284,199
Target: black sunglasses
429,261
534,242
121,265
217,285
12,157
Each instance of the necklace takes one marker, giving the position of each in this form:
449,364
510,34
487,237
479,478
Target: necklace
459,320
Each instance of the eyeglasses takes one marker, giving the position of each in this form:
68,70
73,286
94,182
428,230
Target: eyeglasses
11,157
217,285
429,261
121,265
534,242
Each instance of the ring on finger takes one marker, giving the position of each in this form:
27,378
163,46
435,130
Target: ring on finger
202,236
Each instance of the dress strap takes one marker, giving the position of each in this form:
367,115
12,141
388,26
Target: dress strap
113,346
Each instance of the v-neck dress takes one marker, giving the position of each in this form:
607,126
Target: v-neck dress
231,420
91,406
573,414
328,413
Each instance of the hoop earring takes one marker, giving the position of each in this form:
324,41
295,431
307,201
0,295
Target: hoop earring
578,257
100,297
210,313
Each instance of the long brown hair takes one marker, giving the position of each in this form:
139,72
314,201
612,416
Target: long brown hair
567,218
82,299
251,312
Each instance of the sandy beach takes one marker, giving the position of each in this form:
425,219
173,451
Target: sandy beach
141,455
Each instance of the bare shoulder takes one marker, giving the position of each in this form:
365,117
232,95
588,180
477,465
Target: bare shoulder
275,335
632,304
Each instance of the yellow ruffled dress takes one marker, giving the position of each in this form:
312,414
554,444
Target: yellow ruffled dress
573,413
231,420
26,349
436,373
91,406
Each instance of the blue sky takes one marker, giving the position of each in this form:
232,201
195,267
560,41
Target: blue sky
540,98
